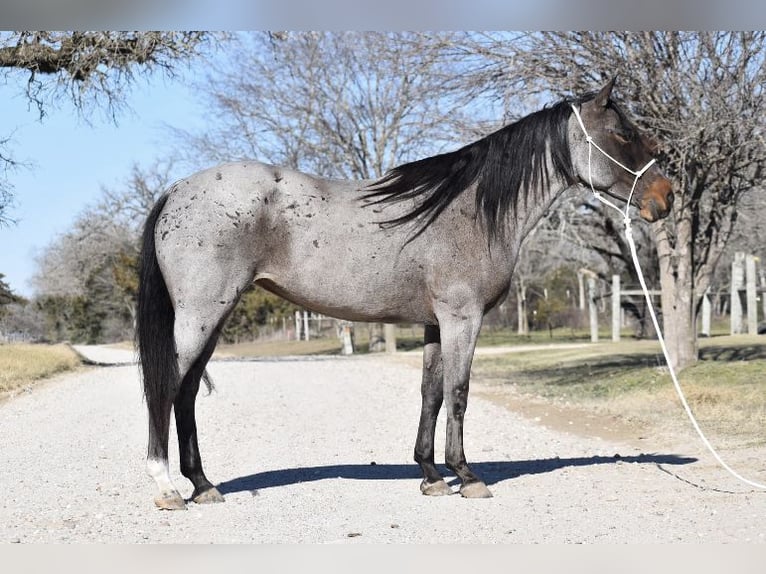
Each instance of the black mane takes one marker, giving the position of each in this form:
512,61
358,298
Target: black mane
507,164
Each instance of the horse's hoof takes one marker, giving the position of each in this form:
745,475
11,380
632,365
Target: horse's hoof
170,501
209,496
475,490
438,488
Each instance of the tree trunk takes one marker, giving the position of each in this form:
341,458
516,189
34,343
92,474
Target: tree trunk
679,309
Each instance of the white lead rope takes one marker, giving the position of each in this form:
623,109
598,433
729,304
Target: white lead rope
632,244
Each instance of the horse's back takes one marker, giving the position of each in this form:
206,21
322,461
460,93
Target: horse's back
254,180
315,242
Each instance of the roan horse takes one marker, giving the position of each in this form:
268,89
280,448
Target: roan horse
434,241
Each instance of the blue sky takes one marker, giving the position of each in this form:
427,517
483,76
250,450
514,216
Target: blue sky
71,160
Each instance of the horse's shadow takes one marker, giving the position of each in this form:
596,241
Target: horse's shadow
491,472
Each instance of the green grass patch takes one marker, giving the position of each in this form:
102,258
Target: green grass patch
22,364
502,336
591,371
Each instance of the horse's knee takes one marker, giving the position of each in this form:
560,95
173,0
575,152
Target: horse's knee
457,402
432,359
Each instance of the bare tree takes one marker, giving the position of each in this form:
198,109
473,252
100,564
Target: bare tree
6,191
7,297
700,94
91,70
336,104
97,258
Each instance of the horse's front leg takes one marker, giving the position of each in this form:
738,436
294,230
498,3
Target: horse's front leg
459,331
431,392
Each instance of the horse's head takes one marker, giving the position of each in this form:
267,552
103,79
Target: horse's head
612,131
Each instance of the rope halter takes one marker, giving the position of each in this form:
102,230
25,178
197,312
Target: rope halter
599,196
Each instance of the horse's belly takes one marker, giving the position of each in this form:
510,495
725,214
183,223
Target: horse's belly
353,299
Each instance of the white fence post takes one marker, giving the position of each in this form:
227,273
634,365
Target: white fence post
762,274
616,322
751,296
521,308
306,335
737,283
707,311
593,309
346,337
389,334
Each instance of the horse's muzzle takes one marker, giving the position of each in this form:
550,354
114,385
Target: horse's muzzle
657,200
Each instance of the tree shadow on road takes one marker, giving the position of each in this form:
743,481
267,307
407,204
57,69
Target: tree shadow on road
491,472
733,353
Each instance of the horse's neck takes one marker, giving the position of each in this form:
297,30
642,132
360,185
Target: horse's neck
531,211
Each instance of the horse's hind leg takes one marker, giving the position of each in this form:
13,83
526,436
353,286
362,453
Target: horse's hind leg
186,426
157,454
197,326
431,392
190,345
193,345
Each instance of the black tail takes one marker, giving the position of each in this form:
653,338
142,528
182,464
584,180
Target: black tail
154,324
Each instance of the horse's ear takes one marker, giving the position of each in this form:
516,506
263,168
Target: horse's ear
602,98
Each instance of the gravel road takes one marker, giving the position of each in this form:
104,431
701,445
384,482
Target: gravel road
320,450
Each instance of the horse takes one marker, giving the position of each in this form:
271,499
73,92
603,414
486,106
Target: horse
433,241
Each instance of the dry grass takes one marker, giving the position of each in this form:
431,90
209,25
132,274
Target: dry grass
726,389
727,398
22,364
280,348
